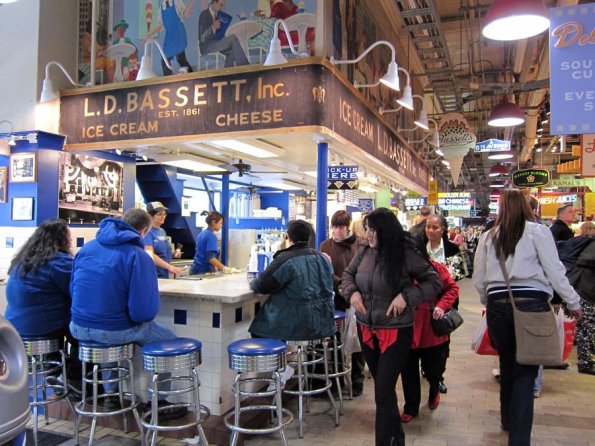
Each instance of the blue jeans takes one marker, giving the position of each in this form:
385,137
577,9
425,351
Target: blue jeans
516,380
142,334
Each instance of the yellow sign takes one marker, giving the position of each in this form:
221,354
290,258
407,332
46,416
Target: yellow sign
432,192
589,204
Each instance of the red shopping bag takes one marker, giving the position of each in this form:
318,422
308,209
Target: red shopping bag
569,329
481,343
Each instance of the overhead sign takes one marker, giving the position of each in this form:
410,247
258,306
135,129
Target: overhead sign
299,95
572,94
573,182
588,155
433,191
492,145
455,201
342,177
531,178
414,204
557,198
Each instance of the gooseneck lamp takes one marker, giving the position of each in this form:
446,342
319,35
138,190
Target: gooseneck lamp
48,92
146,64
275,56
391,78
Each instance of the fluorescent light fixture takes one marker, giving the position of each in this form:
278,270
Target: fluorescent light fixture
497,184
282,184
193,165
515,19
240,146
506,114
366,187
311,173
539,149
500,155
391,78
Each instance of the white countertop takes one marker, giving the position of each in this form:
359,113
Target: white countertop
228,288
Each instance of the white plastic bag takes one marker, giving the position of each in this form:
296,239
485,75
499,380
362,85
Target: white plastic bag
350,340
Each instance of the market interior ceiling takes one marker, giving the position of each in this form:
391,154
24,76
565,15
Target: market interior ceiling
459,71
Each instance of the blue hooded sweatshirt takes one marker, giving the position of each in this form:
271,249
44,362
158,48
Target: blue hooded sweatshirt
114,283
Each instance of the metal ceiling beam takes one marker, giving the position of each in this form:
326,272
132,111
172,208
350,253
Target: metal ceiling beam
423,26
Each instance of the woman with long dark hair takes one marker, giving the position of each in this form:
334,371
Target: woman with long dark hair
38,292
384,281
534,269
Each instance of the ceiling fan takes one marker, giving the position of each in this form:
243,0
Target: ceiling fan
244,169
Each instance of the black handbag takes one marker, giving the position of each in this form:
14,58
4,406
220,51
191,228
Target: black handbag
450,322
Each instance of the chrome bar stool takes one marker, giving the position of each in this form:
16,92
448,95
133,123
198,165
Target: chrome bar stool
117,368
179,354
340,367
40,367
257,355
304,355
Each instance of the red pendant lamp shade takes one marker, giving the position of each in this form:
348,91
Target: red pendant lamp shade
515,19
506,114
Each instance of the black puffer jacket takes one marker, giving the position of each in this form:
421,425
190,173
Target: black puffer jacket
364,275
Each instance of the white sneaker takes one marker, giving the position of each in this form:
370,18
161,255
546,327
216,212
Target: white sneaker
287,373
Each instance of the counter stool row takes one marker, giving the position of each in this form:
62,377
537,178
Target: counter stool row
112,364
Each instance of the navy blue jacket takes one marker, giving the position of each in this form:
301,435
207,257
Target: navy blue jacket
114,283
300,305
39,303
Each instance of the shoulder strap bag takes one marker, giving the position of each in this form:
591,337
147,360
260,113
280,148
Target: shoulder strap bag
537,337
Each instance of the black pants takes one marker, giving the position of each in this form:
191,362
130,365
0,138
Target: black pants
182,61
516,380
385,369
431,362
73,363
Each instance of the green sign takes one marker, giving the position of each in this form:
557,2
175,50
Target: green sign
531,178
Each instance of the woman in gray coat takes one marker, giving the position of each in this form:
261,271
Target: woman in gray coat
384,282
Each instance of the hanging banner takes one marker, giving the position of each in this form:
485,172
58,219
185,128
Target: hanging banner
456,139
531,178
433,192
572,96
588,155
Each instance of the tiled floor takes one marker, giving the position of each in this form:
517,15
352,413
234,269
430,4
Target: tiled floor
467,415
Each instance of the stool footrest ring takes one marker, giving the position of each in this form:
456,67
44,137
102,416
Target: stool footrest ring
287,419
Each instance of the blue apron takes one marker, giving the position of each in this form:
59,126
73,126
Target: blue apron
175,40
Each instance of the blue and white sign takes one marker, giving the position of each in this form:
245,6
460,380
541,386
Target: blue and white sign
342,173
572,84
412,204
492,145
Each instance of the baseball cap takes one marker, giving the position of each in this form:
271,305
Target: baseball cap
155,206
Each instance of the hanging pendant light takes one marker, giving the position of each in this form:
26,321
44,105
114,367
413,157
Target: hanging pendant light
497,170
506,114
515,19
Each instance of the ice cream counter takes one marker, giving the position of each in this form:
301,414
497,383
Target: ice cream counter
216,310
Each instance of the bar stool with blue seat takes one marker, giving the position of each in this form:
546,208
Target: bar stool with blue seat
340,367
305,355
257,355
117,369
174,355
40,367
